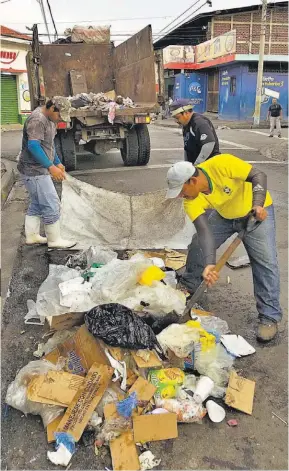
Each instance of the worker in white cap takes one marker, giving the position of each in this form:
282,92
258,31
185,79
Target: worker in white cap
200,138
232,188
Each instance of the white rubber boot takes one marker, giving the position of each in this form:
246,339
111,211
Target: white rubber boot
32,229
54,238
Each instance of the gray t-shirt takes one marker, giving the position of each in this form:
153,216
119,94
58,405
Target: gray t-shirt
36,127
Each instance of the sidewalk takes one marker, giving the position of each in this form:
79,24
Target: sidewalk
218,123
11,127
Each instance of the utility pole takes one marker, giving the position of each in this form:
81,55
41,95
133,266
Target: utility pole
44,18
260,64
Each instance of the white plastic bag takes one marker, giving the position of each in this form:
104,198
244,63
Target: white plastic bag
100,255
75,295
159,299
17,392
179,338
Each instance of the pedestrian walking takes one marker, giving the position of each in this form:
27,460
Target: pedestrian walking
275,116
38,164
232,188
200,138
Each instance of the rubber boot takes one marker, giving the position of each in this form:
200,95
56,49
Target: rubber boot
32,231
54,238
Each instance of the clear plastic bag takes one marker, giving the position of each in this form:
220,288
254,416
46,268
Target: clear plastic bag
100,255
187,410
16,396
179,338
109,396
158,299
215,363
214,324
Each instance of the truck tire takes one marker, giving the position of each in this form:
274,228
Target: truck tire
130,150
68,150
144,144
58,147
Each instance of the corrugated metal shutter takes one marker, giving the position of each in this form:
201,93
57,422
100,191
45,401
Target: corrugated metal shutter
9,101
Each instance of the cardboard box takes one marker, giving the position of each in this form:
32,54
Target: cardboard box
64,321
240,393
123,449
81,351
57,387
154,427
85,401
52,427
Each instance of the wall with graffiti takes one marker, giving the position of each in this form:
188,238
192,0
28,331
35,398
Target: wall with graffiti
194,87
237,92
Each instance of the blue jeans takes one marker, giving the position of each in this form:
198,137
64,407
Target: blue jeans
260,245
44,201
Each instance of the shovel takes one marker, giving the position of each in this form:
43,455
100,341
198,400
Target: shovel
250,225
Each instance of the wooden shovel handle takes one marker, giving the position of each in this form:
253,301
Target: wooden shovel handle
227,254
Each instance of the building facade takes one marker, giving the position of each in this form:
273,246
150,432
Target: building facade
15,96
226,62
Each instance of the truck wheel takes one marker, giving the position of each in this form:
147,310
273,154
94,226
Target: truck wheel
144,144
58,148
68,150
130,150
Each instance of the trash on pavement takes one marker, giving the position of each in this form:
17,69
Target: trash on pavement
166,381
203,389
119,369
51,429
85,401
146,359
187,410
55,386
237,345
240,393
233,423
215,411
215,363
126,406
180,338
144,390
238,262
151,428
56,339
65,448
150,275
148,460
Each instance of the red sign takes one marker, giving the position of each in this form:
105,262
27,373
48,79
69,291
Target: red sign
7,57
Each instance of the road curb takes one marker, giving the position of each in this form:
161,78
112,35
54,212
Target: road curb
216,125
7,182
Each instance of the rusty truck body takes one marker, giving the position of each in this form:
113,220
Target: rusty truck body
129,69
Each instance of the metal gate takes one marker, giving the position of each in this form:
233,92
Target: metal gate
9,100
213,91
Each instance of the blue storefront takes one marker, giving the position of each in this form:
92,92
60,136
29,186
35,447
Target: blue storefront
193,86
237,91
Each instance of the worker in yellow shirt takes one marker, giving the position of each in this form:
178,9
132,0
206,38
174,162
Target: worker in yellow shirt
232,188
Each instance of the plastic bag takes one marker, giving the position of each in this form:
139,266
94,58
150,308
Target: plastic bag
75,295
16,396
59,337
112,428
166,381
109,396
187,410
100,255
214,324
215,363
179,338
118,326
158,299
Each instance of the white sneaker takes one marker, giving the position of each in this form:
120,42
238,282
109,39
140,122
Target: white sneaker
54,238
32,229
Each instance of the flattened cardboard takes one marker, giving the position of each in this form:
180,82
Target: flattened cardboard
60,386
240,393
144,390
153,361
80,351
32,392
199,312
52,427
123,449
85,401
154,427
64,321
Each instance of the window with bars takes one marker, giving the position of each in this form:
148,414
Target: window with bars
233,85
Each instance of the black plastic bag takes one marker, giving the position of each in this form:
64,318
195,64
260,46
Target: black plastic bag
118,326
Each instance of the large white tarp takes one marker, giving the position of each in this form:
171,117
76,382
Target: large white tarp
94,216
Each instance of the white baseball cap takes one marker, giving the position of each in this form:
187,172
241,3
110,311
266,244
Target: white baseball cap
177,175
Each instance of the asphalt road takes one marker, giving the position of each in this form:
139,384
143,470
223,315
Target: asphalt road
259,441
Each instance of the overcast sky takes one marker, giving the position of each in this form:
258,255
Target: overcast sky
125,16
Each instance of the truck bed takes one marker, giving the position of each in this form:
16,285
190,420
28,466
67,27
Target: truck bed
139,109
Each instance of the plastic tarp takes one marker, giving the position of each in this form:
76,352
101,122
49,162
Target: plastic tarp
94,216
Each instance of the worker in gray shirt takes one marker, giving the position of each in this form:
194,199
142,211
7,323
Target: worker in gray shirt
38,164
200,138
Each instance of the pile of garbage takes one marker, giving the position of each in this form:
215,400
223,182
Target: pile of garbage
122,368
85,34
107,103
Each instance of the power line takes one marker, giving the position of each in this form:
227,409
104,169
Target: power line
96,21
50,11
180,15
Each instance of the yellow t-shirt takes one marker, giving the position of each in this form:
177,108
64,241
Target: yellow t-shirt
231,196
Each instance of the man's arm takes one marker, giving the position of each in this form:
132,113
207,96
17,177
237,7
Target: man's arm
269,112
206,138
207,244
281,112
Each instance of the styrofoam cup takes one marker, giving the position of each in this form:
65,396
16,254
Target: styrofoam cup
204,387
215,412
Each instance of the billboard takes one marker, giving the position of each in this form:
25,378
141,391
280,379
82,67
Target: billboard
216,47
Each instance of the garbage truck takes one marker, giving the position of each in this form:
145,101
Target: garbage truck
129,70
